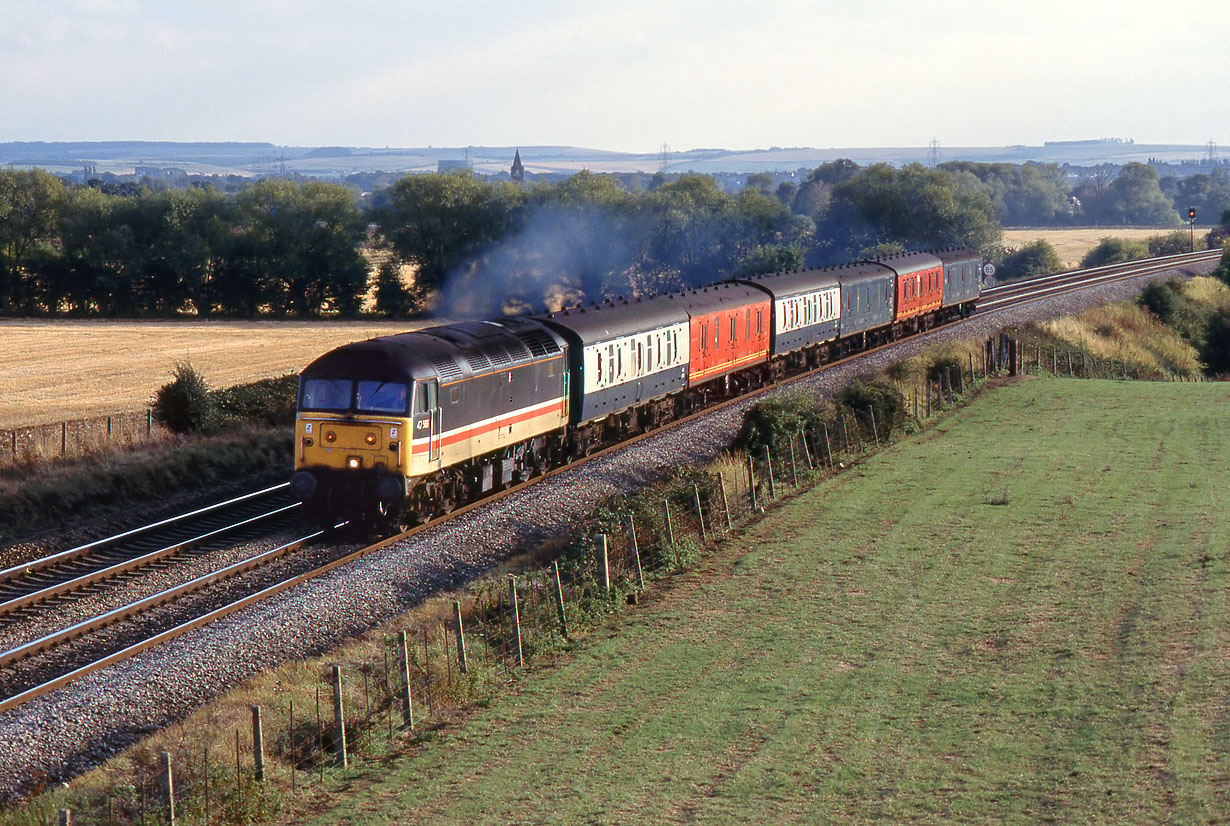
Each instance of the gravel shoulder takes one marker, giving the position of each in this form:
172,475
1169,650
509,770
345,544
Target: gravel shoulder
73,729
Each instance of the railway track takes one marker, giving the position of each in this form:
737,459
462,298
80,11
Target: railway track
54,660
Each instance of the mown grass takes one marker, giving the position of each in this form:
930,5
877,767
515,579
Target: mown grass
895,646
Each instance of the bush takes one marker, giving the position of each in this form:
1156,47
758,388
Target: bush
878,395
268,401
1216,350
1173,243
186,405
1033,259
1114,251
1159,300
1223,269
773,422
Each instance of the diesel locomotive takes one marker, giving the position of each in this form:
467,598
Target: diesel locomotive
404,427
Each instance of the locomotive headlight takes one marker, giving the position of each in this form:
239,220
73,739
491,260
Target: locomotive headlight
393,446
352,462
370,438
330,436
308,442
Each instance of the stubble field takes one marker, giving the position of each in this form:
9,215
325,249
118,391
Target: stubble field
1072,243
57,370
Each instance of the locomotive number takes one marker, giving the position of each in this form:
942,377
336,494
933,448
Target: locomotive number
422,424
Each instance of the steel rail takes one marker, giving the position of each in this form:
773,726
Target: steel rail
72,553
156,639
111,617
130,564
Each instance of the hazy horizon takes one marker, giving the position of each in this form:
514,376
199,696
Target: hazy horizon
624,77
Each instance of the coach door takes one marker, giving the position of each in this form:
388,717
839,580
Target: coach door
427,417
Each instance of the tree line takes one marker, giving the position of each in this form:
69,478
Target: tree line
301,248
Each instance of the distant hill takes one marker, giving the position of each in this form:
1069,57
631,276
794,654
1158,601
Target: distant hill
255,158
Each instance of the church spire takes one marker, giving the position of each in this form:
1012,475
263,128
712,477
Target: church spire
518,170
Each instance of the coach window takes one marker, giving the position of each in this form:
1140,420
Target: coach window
599,354
748,318
732,328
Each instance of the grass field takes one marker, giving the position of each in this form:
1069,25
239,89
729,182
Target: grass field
56,370
1021,617
1073,243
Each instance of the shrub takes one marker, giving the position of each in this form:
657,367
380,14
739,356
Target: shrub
1173,243
878,395
1159,300
185,405
1223,269
268,401
1033,259
1114,251
1216,350
773,422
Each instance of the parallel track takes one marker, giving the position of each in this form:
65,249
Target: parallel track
993,300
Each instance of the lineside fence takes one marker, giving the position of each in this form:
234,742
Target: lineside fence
79,437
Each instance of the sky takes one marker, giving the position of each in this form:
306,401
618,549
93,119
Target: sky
623,76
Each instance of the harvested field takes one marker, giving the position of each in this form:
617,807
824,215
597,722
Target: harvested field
56,370
1072,243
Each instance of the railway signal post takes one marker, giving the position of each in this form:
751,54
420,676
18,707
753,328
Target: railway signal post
1191,223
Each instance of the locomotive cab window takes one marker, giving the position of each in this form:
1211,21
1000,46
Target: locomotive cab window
382,397
326,394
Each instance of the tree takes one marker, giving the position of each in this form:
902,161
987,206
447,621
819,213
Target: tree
30,204
393,298
1034,259
1134,197
1114,251
917,207
185,405
438,221
1159,300
301,241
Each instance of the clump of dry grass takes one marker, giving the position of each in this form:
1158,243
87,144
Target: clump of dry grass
1207,290
1126,332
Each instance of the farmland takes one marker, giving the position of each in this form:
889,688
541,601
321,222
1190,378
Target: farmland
56,370
1072,243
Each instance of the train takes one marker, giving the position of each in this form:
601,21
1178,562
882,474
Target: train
402,428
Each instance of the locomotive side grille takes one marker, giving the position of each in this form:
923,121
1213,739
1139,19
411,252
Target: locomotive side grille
479,363
500,358
539,342
446,367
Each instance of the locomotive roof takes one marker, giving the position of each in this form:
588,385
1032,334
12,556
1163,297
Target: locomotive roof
450,351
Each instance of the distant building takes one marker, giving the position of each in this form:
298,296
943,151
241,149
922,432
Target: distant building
518,170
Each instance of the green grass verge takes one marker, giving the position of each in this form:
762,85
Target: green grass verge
1021,617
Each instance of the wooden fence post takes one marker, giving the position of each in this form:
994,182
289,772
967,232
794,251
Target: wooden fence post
66,817
559,600
636,554
666,516
604,562
700,514
462,662
768,464
751,483
168,788
407,699
339,718
258,746
806,450
794,468
875,431
730,526
516,614
828,445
